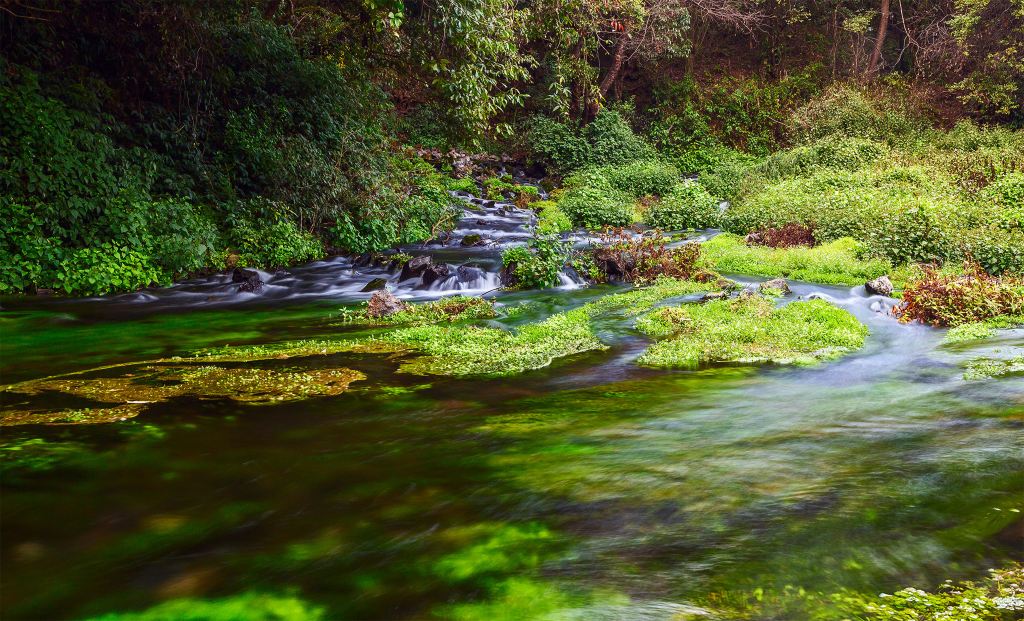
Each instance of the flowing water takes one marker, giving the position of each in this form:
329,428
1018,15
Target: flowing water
591,489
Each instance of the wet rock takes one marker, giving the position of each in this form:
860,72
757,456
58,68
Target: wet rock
880,286
383,303
468,273
45,293
362,260
746,294
754,239
714,295
415,266
249,280
778,284
473,240
375,285
434,273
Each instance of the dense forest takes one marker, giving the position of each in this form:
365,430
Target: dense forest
146,141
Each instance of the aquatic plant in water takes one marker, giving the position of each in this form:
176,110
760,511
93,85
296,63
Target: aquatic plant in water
749,329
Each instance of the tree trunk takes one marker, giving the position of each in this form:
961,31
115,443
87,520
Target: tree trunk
593,106
883,26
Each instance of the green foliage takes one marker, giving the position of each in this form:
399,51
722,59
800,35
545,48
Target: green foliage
749,329
276,244
538,265
558,145
641,178
839,152
942,299
550,218
724,178
245,607
465,184
845,110
1004,199
996,598
688,206
834,263
449,309
613,142
590,201
103,269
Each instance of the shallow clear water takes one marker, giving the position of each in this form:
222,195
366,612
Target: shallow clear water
591,489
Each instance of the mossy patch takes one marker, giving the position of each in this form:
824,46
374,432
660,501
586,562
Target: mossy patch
450,310
243,607
493,351
129,393
834,263
749,330
982,329
989,368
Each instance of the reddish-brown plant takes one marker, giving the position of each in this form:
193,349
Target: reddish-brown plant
642,258
792,234
942,299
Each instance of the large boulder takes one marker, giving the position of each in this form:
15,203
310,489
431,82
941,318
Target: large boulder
775,284
415,266
383,303
473,239
879,286
249,280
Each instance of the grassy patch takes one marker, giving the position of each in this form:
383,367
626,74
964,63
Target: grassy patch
834,263
550,218
749,330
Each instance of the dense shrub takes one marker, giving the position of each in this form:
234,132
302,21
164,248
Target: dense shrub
845,110
997,250
1004,200
792,234
550,218
590,201
558,145
943,299
613,142
106,268
687,206
838,152
641,178
725,178
535,266
644,258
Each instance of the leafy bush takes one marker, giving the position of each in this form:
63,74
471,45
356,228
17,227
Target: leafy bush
465,184
104,269
590,201
274,244
838,152
559,146
845,110
643,259
550,218
1004,199
688,206
724,179
792,234
943,299
641,178
536,266
613,141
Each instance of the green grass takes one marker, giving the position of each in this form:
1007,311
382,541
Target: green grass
834,263
749,330
550,218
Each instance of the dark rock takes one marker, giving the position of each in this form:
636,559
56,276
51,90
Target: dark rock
375,285
415,267
473,240
468,273
714,295
880,286
433,273
383,303
249,280
45,293
362,260
778,284
754,239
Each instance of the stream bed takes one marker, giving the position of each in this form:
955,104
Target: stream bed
589,489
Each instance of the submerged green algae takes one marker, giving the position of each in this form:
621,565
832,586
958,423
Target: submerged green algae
446,310
992,368
244,607
749,329
126,395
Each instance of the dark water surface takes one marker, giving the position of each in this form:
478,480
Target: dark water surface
592,489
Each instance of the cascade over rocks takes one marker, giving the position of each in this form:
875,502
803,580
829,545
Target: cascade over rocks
249,280
415,267
435,272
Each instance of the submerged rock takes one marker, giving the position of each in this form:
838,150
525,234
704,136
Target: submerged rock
714,295
249,280
776,284
473,240
880,286
374,285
